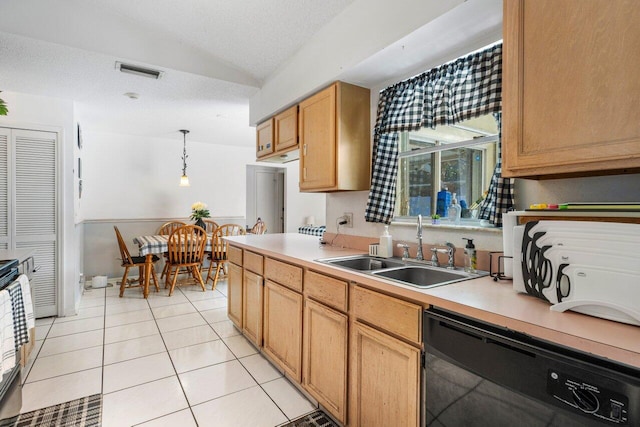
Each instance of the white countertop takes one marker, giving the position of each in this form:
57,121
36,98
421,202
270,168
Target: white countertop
483,299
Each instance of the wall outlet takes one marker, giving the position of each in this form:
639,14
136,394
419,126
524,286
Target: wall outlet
349,217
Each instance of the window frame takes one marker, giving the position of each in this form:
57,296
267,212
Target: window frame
436,150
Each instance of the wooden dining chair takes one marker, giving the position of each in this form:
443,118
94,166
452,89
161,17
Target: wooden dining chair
186,250
218,255
211,225
260,227
166,229
129,262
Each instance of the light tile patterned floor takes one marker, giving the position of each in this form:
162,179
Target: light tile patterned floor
165,361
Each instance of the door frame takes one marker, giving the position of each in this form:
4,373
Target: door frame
251,207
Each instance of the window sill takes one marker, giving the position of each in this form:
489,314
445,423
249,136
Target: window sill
446,225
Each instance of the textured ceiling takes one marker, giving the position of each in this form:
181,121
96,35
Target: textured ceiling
253,35
215,53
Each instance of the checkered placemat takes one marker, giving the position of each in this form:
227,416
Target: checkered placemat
158,244
314,231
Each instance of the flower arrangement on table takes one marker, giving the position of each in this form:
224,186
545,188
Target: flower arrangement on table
198,211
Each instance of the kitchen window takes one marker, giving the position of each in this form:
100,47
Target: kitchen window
458,158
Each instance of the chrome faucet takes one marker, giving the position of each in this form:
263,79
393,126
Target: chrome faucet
451,250
419,255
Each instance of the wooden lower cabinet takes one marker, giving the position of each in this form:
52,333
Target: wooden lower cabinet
283,328
252,298
384,379
325,357
234,294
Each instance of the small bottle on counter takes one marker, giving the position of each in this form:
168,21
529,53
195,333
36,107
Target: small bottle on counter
455,210
385,249
470,257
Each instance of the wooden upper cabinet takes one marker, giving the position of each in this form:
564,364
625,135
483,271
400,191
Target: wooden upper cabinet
334,131
278,136
264,138
571,92
286,130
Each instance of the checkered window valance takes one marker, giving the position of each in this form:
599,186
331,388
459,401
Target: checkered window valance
465,88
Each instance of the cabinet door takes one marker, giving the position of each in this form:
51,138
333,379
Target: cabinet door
286,129
317,128
234,294
385,380
252,294
264,138
571,96
325,357
283,328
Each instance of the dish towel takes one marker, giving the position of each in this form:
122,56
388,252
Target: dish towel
20,330
7,342
28,302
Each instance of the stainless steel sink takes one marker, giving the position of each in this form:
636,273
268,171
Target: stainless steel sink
423,276
407,272
363,262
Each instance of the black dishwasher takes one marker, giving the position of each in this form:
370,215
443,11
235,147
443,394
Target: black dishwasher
479,374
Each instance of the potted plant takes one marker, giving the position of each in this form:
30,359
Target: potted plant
198,211
435,219
3,108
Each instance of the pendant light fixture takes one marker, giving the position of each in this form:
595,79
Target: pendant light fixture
184,180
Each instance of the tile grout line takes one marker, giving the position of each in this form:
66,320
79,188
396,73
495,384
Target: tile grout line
195,420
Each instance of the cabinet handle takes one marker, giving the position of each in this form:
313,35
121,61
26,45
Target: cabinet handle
304,149
304,173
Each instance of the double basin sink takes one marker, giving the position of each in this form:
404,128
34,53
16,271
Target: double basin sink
407,272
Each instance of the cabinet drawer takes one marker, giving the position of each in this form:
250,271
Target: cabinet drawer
285,274
253,262
396,316
234,255
327,290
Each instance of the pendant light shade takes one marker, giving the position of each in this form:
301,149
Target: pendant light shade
184,179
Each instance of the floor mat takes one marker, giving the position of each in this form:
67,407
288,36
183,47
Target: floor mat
85,412
314,419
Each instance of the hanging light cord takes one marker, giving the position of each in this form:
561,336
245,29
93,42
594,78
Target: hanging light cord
184,152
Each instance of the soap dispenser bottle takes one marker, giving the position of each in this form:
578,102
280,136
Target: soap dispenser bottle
455,210
386,244
470,257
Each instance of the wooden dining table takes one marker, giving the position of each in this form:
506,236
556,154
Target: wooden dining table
156,244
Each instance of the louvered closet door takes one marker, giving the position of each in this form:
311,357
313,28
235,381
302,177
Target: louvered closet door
5,137
35,211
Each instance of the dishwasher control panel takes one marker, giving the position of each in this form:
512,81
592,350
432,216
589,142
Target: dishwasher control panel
588,397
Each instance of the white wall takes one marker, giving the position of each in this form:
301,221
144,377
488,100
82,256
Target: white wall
299,206
38,112
131,177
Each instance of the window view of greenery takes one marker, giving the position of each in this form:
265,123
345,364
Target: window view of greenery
436,163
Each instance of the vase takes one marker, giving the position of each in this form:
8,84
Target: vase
200,223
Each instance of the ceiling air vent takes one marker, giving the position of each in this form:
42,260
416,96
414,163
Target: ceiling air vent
138,71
